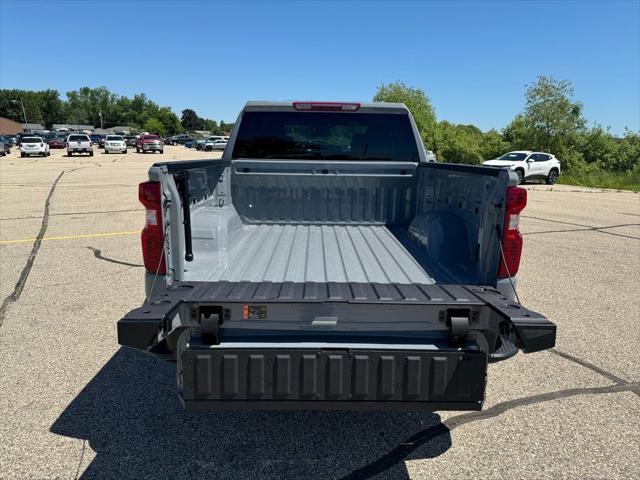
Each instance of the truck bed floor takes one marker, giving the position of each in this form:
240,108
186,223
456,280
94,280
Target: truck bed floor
312,253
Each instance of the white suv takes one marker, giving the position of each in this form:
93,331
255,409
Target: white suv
79,143
530,165
115,143
34,146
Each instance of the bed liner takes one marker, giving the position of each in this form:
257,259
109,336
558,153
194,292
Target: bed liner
313,253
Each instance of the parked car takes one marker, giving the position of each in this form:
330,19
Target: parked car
34,146
189,143
3,152
6,142
56,142
179,139
149,143
96,139
199,143
12,140
208,142
331,271
529,165
115,143
130,140
219,144
79,143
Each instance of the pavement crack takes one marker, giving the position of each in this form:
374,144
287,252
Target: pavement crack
93,212
406,447
590,366
589,228
98,254
84,447
24,275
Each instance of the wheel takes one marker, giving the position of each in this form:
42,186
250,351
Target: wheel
126,151
137,150
105,151
552,177
91,153
69,153
22,155
520,176
48,153
161,152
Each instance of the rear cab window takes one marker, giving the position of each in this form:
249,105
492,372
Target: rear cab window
78,138
326,136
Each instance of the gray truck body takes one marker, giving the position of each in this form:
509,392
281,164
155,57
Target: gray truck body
331,283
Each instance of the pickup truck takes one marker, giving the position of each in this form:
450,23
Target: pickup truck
324,263
179,139
149,143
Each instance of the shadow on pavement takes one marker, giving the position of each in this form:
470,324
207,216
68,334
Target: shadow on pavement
130,415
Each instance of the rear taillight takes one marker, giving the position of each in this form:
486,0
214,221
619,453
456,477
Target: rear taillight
326,106
150,196
511,237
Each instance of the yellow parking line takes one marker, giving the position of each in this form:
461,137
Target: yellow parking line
72,237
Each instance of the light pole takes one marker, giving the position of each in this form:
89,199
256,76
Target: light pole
26,125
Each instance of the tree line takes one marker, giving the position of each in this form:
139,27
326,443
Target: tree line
551,121
101,108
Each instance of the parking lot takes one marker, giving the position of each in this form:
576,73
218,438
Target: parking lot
74,404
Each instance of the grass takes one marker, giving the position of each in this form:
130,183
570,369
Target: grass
603,179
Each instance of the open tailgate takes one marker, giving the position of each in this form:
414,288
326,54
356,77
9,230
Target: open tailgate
329,346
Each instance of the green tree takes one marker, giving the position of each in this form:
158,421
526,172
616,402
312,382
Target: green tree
628,157
458,143
169,120
492,145
190,120
153,125
552,116
417,103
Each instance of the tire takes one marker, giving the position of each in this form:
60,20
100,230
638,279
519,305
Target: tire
91,153
126,151
69,154
23,155
520,173
161,152
137,150
48,153
552,177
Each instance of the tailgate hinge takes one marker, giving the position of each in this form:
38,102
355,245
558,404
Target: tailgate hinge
210,319
458,322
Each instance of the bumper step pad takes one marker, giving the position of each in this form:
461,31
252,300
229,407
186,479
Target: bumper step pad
315,378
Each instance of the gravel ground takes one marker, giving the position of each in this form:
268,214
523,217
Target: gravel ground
75,404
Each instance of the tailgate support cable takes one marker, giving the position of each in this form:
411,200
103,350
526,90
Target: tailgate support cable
182,182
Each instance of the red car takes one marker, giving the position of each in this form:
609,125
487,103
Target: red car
56,143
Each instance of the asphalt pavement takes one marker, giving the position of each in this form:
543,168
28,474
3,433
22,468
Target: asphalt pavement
74,404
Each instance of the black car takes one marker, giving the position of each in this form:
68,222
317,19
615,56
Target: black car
131,140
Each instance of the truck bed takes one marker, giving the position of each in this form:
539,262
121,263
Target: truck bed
312,253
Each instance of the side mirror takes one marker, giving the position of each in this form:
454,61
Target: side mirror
529,160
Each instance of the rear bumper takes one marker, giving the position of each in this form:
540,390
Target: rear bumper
370,377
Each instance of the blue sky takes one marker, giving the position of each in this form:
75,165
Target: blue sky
473,59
